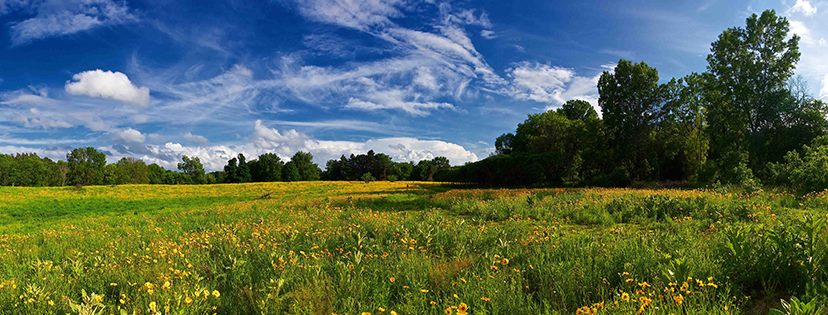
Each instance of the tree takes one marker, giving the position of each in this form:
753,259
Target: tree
130,171
193,170
750,68
630,99
237,170
307,170
156,174
86,166
503,143
290,173
268,168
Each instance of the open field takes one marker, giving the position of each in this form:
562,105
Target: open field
406,247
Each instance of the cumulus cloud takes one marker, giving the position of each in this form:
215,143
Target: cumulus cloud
57,18
285,143
189,136
109,85
551,84
130,135
823,92
804,7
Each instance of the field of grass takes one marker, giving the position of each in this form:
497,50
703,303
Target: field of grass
405,248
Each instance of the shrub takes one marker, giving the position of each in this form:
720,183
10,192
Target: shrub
803,173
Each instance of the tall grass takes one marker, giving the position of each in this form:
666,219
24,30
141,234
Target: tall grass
410,248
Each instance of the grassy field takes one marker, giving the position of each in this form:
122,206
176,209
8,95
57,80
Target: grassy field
404,248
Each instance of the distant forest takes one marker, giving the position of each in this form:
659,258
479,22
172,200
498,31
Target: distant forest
745,121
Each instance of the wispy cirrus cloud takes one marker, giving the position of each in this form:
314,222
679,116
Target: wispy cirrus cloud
58,18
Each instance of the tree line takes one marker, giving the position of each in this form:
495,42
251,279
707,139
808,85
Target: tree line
745,120
87,166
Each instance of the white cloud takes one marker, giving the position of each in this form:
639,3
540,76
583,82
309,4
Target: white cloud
356,14
189,136
823,91
804,7
130,135
429,66
24,97
285,143
57,18
551,84
799,28
109,85
34,118
488,34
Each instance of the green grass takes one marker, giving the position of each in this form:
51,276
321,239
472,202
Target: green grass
322,247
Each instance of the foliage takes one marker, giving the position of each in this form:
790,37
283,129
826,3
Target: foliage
192,170
86,166
803,173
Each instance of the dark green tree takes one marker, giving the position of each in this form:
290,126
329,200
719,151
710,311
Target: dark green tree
267,168
303,161
630,99
751,105
86,166
192,170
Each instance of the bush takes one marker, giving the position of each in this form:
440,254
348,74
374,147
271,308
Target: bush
803,173
367,177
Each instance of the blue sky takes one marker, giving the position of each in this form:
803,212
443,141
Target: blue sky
415,79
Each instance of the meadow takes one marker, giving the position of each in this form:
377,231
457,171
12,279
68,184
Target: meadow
406,248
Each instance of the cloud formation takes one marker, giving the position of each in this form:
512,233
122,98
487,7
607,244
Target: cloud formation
109,85
264,139
130,135
57,18
553,85
804,7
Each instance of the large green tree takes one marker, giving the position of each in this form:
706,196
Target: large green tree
630,98
192,170
750,104
86,166
267,168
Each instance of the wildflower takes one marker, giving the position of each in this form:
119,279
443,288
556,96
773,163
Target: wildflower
153,307
393,313
462,307
216,293
644,285
485,299
423,291
188,300
493,267
447,310
679,299
392,279
366,313
504,261
166,285
625,297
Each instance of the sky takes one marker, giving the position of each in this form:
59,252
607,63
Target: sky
157,80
